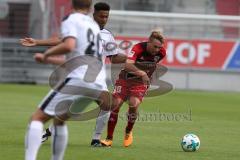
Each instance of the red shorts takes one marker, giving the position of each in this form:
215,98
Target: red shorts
127,88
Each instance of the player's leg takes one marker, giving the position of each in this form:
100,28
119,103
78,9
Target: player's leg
34,133
49,106
117,103
103,116
119,95
45,111
136,95
59,139
80,104
134,102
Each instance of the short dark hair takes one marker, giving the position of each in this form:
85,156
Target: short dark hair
101,6
81,4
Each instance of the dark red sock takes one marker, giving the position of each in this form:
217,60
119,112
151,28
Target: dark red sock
112,123
132,116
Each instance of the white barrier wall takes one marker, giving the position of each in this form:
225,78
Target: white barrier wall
203,80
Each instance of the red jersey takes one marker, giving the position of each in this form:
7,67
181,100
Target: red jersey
143,60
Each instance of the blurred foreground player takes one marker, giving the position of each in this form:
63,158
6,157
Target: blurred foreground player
100,15
75,31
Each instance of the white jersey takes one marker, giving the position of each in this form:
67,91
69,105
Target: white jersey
87,33
89,38
78,25
108,43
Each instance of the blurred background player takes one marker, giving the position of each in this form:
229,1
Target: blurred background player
100,15
76,25
133,82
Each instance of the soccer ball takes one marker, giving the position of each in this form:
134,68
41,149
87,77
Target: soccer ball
190,143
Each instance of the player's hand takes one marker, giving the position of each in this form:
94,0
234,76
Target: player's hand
45,58
28,42
146,79
39,57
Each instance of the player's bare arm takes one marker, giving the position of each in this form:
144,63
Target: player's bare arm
67,46
30,42
55,60
118,58
130,67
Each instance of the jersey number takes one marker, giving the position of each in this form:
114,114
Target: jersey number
90,37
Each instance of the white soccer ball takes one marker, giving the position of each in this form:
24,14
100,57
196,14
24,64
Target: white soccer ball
190,143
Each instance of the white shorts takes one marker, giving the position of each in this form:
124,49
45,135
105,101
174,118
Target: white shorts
79,89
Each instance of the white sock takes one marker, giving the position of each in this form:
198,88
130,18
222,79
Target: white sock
100,123
59,141
33,140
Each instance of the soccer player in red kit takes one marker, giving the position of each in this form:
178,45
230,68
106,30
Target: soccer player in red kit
133,83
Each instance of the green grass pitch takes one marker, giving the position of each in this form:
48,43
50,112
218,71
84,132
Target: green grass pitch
214,117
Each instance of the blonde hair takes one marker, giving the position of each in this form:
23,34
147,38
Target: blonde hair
156,35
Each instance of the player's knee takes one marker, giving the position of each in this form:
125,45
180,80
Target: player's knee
106,106
116,104
114,113
134,103
40,116
104,101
